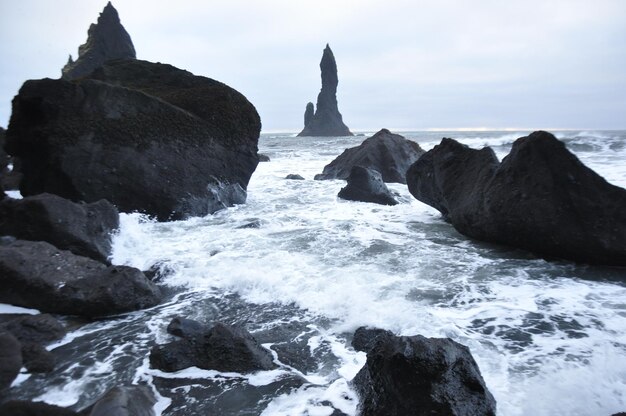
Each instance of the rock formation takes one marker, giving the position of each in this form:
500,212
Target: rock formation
389,154
366,185
419,376
10,359
147,137
84,229
38,275
541,198
106,40
327,120
219,347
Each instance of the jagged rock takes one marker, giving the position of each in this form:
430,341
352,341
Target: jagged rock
419,376
309,113
366,185
221,348
327,120
10,359
146,137
106,40
388,153
38,275
84,229
541,198
295,177
125,401
28,408
263,158
187,328
365,339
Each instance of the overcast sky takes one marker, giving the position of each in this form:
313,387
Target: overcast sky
402,64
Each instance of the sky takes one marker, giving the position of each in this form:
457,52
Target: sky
403,65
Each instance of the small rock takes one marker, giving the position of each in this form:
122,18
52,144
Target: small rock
294,176
366,185
10,359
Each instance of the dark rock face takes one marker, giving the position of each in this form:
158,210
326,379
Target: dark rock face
106,40
295,177
41,328
38,275
125,401
366,185
4,158
221,347
263,158
388,153
26,408
309,113
83,229
541,198
10,359
327,121
37,359
419,376
146,137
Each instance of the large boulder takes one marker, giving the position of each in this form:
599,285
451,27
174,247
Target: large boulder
541,198
10,359
147,137
220,347
83,229
366,185
106,40
38,275
388,153
124,401
419,376
327,120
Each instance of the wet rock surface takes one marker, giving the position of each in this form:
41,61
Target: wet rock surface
366,185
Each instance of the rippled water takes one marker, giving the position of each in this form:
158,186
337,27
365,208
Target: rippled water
303,269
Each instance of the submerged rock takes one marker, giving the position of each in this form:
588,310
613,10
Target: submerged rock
419,376
295,177
106,40
10,359
83,229
125,401
366,185
221,347
327,120
38,275
388,153
541,198
263,158
146,137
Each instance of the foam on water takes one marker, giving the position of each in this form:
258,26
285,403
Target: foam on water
297,265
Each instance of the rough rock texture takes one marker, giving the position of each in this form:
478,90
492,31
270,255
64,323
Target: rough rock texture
10,359
38,275
366,185
147,137
27,408
106,40
37,359
419,376
4,157
221,348
327,120
83,229
388,153
125,401
541,198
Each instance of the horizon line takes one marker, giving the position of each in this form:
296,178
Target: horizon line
452,129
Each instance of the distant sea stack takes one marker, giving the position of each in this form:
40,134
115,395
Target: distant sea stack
326,120
106,40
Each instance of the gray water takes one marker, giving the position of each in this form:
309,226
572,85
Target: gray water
549,337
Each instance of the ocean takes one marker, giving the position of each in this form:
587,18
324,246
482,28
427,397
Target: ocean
302,269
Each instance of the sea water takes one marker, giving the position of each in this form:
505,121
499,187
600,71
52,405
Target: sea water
302,269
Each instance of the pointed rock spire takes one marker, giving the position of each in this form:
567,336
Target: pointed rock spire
106,40
309,113
327,120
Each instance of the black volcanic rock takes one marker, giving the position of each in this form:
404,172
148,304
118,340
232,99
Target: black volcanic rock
388,153
84,229
309,113
366,185
146,137
28,408
294,176
327,120
10,359
38,275
541,198
419,376
41,329
4,157
106,40
125,401
220,347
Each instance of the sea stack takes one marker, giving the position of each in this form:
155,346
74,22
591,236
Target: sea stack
106,40
326,120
